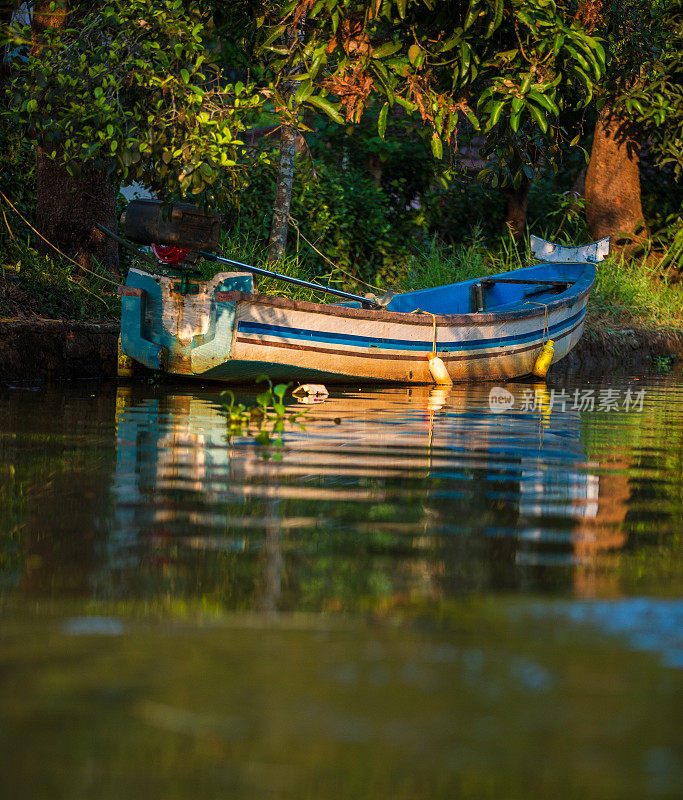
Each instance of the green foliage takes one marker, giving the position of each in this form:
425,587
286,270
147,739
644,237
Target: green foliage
554,66
438,265
632,292
400,162
569,215
463,209
523,61
249,245
663,364
266,420
46,287
127,86
662,202
341,212
653,94
17,178
643,79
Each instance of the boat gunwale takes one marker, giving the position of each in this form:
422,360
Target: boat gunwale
569,296
445,355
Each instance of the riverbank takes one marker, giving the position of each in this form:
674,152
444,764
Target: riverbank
604,351
634,322
50,349
44,349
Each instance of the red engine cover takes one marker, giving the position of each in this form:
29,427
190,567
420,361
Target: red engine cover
169,254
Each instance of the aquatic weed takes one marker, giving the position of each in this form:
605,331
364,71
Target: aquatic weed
265,421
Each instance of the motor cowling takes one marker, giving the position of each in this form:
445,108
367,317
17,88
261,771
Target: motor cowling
170,254
176,226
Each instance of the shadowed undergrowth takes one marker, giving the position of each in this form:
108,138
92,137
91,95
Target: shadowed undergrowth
627,292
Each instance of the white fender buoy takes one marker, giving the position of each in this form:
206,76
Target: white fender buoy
438,371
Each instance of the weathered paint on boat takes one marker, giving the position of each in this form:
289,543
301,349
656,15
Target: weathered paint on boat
228,332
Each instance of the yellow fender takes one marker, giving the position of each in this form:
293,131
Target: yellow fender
544,360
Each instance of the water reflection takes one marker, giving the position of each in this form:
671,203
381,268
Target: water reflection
385,496
147,563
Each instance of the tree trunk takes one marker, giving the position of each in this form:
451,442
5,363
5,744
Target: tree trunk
67,208
375,168
283,193
277,244
516,204
613,206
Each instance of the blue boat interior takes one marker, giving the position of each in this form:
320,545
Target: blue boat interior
494,293
460,298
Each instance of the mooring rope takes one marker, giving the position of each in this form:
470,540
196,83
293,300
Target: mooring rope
54,246
546,326
330,262
433,316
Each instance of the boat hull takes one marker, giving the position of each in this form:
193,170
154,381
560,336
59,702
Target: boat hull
227,334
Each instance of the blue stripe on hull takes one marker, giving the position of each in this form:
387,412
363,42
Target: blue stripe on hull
261,329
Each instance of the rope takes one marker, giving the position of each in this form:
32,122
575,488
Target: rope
54,247
546,327
433,316
322,255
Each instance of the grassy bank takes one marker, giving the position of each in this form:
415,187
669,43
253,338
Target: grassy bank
628,293
33,285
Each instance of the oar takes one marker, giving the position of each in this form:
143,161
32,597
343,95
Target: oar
364,301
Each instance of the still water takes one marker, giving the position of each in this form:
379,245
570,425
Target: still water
412,597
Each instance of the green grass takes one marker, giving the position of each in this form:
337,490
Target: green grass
627,292
35,285
252,251
440,265
632,293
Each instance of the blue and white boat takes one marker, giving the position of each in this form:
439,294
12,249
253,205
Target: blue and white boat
489,328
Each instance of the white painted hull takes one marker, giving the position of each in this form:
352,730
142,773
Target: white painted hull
233,335
460,348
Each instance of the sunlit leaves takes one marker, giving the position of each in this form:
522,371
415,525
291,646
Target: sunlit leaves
325,105
439,59
382,121
437,146
130,91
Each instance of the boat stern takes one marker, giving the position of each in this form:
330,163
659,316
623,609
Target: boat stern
186,332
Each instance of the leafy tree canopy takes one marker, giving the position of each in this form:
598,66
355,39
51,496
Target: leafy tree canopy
644,76
127,86
508,67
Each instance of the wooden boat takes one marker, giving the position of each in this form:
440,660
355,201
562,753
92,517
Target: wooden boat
484,329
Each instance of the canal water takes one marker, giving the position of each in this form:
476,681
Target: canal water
417,593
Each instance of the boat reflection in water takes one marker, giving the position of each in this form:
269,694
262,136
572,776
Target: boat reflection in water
386,495
146,636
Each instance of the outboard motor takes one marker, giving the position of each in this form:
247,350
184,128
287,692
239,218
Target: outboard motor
180,233
175,233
